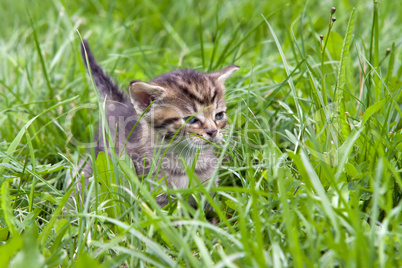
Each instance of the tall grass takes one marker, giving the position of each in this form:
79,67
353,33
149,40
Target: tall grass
310,168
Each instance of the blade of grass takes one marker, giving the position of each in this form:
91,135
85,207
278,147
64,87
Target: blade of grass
343,127
7,210
290,80
42,61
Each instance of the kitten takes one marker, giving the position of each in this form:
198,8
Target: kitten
187,105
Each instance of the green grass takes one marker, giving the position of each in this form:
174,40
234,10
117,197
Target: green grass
311,168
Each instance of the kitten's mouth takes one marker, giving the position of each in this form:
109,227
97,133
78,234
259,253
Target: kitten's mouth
200,140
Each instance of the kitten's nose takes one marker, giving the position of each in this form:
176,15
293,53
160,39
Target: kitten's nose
212,132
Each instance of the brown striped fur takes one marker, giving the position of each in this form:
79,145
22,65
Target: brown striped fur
176,96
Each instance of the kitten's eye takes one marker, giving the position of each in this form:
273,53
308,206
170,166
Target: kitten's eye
191,120
219,116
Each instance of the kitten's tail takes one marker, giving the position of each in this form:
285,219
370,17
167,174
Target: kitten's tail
104,83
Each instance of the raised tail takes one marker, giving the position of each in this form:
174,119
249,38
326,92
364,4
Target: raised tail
104,83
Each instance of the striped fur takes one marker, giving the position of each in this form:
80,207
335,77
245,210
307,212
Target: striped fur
188,106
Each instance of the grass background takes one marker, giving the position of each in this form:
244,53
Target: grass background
310,172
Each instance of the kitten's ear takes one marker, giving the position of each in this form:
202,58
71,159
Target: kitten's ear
224,74
142,94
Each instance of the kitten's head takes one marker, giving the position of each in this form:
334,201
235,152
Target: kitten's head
185,99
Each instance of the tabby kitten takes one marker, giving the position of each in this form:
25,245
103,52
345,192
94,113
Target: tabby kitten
187,105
